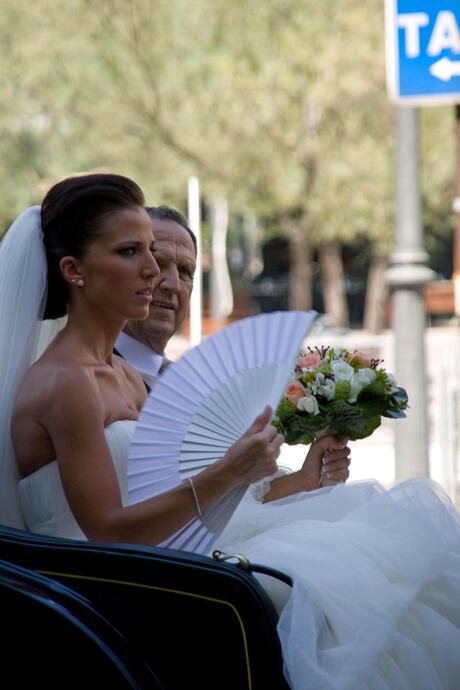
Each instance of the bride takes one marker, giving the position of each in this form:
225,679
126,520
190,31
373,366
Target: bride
88,252
375,603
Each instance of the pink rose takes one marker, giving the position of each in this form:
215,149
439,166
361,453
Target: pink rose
294,392
363,360
311,361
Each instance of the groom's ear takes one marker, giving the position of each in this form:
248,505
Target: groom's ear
70,269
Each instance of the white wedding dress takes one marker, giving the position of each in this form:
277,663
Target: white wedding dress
43,501
376,598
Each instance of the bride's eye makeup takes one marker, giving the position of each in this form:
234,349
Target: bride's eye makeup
127,251
132,249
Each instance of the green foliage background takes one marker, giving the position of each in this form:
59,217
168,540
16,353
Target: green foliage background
279,106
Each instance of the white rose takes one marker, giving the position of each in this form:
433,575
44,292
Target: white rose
342,370
308,404
327,389
362,378
315,386
392,386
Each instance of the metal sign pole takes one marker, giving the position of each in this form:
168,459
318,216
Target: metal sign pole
456,209
408,274
423,69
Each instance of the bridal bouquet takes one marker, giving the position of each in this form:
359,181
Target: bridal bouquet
339,392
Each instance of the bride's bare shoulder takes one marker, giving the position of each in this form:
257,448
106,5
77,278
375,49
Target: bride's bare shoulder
51,378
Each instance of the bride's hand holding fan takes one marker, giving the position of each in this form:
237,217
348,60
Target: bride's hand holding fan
253,456
202,411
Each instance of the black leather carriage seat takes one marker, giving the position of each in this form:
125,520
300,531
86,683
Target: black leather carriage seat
193,621
54,638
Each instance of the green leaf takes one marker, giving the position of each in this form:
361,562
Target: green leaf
374,389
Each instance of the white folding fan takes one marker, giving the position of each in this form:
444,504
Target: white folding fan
205,402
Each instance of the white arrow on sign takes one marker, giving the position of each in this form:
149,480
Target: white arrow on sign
445,69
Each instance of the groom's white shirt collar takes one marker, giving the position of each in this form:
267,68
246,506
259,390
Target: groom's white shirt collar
138,355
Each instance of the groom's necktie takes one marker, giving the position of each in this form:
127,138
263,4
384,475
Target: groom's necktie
149,379
164,365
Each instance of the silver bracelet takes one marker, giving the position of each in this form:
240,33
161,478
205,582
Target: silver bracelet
197,503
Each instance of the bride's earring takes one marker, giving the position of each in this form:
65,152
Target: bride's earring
80,282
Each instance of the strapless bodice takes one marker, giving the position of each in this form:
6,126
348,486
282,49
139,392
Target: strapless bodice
44,504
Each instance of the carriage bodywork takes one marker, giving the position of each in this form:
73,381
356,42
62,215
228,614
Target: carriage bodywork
118,615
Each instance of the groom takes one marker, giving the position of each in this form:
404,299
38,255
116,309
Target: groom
143,343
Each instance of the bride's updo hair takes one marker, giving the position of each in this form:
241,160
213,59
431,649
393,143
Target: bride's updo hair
72,214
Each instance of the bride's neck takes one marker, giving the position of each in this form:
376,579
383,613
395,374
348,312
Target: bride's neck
95,335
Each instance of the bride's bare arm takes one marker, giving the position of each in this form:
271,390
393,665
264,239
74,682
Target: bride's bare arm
76,426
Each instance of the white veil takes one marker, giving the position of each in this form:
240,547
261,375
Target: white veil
23,288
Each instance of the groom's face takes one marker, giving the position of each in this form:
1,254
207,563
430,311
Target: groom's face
176,258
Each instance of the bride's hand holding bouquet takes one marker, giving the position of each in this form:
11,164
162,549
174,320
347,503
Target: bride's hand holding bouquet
327,462
335,392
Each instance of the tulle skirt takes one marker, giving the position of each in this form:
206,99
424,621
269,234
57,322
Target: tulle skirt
375,603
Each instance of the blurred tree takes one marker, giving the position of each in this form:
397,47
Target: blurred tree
275,111
280,107
300,126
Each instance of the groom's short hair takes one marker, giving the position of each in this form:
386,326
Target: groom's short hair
168,213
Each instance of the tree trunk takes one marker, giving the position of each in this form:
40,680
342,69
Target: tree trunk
300,288
334,297
375,315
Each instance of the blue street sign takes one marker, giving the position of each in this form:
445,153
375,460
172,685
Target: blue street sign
423,51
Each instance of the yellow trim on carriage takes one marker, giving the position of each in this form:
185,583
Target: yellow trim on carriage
172,591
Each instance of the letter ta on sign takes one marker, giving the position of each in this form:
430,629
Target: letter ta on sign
444,36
